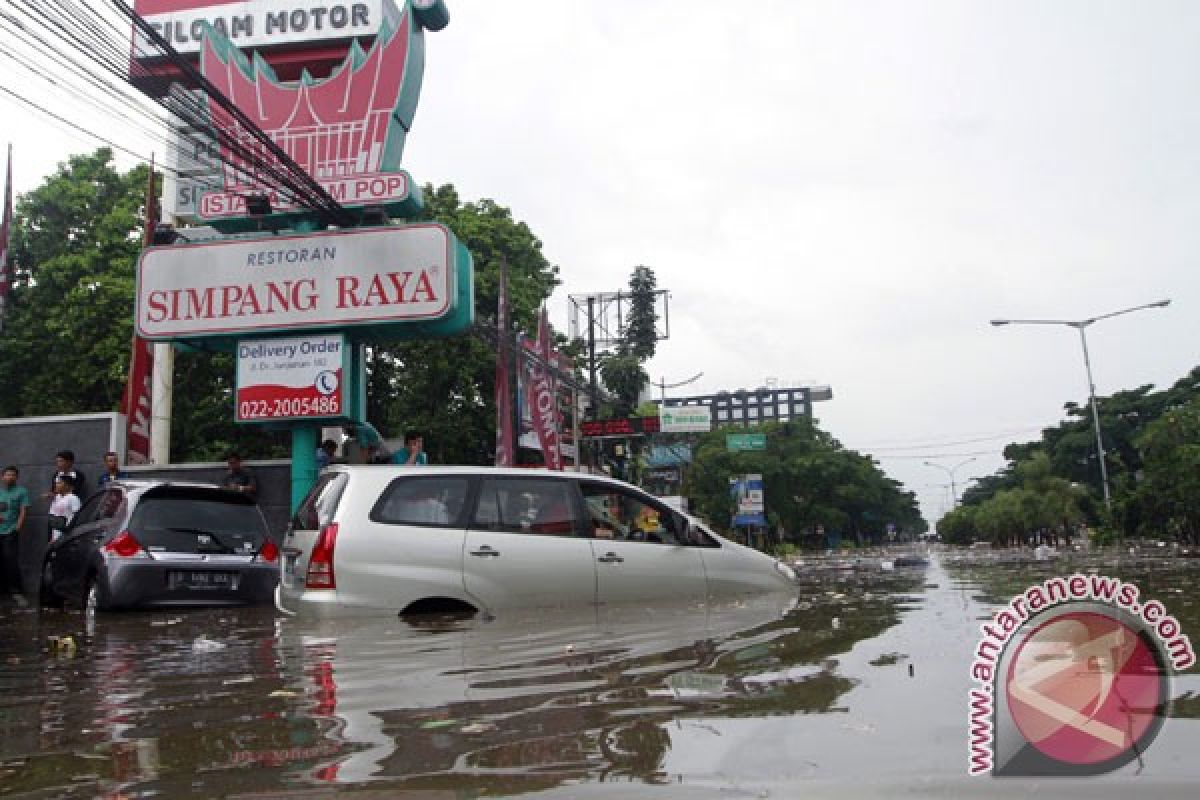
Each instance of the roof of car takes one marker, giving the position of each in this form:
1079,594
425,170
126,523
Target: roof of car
514,472
147,483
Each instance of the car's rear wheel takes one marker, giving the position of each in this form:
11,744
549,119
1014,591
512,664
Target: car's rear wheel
47,597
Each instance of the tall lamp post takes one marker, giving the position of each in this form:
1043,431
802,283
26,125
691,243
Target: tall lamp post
1081,325
950,471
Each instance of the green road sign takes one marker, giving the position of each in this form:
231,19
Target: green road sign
745,441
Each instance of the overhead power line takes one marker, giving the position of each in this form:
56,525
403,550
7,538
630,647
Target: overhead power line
91,55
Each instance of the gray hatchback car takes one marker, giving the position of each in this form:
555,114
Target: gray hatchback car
149,544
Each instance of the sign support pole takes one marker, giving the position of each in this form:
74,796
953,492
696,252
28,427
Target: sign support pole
304,462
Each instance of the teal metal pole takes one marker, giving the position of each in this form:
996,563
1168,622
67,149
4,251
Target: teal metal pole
304,462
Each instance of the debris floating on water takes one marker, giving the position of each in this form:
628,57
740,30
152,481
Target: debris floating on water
203,644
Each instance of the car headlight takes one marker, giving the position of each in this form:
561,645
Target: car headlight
785,570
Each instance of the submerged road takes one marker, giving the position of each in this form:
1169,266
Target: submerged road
856,686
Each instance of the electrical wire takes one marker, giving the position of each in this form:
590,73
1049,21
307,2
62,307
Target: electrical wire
90,57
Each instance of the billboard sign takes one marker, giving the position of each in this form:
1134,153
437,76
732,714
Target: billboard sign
625,426
364,277
748,495
685,419
295,378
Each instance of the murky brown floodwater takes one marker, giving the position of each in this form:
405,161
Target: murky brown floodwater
853,687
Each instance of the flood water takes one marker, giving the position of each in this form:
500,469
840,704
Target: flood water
855,686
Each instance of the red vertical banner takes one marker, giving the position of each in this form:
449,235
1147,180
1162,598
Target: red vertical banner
543,403
5,234
135,404
505,442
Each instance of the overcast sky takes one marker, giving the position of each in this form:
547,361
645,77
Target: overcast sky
839,192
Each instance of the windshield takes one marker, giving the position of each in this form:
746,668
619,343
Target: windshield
201,522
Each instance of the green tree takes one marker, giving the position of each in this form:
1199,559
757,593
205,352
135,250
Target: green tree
808,480
1126,417
1169,492
641,329
67,335
1041,500
622,370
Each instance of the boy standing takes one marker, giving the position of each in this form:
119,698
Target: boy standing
14,504
64,466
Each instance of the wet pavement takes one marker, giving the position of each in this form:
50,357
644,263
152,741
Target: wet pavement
855,686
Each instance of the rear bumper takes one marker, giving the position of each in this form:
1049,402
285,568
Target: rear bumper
321,604
147,584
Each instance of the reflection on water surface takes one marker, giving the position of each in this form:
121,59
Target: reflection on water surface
861,671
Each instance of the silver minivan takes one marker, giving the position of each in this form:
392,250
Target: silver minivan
429,539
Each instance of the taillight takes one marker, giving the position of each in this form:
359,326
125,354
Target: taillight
320,562
124,545
269,552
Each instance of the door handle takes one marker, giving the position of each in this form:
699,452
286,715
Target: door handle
610,558
484,550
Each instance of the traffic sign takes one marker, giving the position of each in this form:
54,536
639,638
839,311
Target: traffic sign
745,441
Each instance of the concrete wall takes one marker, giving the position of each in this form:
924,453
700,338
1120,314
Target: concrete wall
29,443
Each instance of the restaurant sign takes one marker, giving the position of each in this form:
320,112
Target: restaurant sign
373,278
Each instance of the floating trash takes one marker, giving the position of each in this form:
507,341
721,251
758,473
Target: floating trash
203,644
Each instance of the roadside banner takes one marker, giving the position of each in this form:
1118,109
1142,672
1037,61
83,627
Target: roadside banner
136,401
539,394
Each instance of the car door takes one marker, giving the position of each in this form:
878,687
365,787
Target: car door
409,547
70,556
638,548
525,545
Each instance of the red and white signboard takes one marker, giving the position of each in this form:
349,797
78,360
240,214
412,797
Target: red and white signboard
301,377
325,280
360,190
264,24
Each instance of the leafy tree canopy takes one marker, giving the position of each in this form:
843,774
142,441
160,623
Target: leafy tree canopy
1147,467
809,479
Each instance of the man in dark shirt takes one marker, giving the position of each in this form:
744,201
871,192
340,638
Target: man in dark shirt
112,470
64,466
238,478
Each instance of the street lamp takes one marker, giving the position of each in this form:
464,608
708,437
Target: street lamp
950,471
1081,325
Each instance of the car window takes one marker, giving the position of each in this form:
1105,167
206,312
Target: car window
196,520
433,501
318,507
110,504
526,505
615,513
87,513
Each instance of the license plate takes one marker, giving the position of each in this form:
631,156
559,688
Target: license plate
201,580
